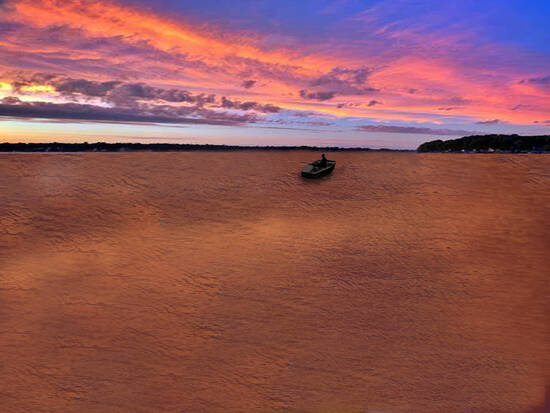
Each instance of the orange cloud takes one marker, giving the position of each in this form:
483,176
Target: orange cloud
214,63
106,18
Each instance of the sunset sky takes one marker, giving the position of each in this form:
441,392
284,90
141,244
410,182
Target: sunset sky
374,73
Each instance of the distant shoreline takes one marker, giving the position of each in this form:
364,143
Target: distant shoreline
169,147
468,144
489,144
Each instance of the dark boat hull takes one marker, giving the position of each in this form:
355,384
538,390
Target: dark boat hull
312,171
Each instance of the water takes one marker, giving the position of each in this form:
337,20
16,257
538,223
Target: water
224,282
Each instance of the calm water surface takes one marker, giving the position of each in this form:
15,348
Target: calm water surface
224,282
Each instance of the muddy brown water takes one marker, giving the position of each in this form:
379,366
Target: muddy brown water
225,282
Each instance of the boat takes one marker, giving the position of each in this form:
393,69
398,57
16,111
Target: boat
315,170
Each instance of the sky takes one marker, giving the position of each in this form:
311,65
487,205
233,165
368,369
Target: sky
369,73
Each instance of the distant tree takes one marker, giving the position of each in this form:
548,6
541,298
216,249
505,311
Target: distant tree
483,143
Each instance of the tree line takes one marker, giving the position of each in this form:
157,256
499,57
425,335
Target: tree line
489,143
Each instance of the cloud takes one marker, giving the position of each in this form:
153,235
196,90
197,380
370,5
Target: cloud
458,101
317,123
127,94
536,81
349,105
412,129
134,25
234,104
303,114
343,77
274,71
22,81
114,91
84,87
489,122
542,83
545,122
304,94
343,81
64,85
97,42
123,94
13,107
78,51
373,103
11,100
247,84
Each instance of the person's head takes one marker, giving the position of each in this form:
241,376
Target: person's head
323,155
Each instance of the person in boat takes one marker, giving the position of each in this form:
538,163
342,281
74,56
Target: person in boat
323,161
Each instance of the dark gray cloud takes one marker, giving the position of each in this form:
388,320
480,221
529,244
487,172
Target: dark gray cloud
235,104
349,105
115,92
343,81
247,84
304,94
412,129
536,81
131,95
11,100
544,122
22,80
458,101
489,122
85,87
128,94
13,107
343,76
373,103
